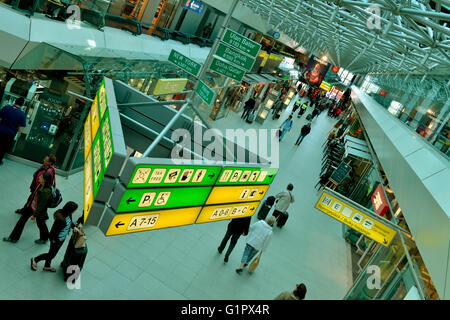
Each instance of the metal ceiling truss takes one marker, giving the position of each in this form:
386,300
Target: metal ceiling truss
413,40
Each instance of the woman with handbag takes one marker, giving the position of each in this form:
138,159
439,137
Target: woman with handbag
258,239
60,229
36,208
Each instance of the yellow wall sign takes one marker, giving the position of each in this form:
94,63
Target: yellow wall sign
166,86
95,118
144,221
355,219
325,86
236,194
227,211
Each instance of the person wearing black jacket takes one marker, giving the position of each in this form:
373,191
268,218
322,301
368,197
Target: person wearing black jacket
236,228
60,229
303,133
248,107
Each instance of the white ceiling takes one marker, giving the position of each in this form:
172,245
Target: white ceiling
413,37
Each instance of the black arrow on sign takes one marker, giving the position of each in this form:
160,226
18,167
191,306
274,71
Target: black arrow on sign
384,241
270,176
261,192
130,200
212,175
118,224
252,209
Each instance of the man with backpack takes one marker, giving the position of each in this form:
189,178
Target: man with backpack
47,166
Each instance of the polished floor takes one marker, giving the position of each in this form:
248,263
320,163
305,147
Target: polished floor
183,262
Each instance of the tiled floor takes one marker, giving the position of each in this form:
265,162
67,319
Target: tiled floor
183,262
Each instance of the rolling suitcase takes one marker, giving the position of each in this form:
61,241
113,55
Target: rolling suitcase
265,208
73,257
282,218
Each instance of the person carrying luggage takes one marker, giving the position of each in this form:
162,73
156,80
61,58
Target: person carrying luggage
60,229
265,208
235,229
284,200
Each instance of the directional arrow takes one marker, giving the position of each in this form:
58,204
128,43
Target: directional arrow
212,175
261,192
384,241
270,176
118,224
253,208
130,200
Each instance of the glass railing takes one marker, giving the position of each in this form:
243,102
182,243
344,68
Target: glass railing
100,13
431,123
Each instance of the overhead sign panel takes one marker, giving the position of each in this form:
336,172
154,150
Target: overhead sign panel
246,176
188,65
353,217
227,211
231,194
227,69
241,43
115,224
104,146
167,86
140,173
204,92
129,200
235,56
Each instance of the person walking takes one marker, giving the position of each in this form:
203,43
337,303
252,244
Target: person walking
248,107
235,229
314,113
304,131
284,199
60,229
36,208
258,239
13,120
47,166
286,126
302,109
296,105
299,293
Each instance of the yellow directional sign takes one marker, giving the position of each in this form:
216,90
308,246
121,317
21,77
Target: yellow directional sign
151,220
87,136
236,194
227,211
95,117
355,219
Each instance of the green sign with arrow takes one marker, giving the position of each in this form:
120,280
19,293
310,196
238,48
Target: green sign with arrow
227,69
188,65
204,92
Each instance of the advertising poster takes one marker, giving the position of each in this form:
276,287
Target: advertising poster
315,71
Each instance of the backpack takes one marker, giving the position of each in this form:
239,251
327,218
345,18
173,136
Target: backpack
56,198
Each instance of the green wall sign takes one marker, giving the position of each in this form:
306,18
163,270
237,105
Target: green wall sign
204,92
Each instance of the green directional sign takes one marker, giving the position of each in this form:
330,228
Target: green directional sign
241,43
188,65
235,56
204,92
97,160
227,69
161,198
246,176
